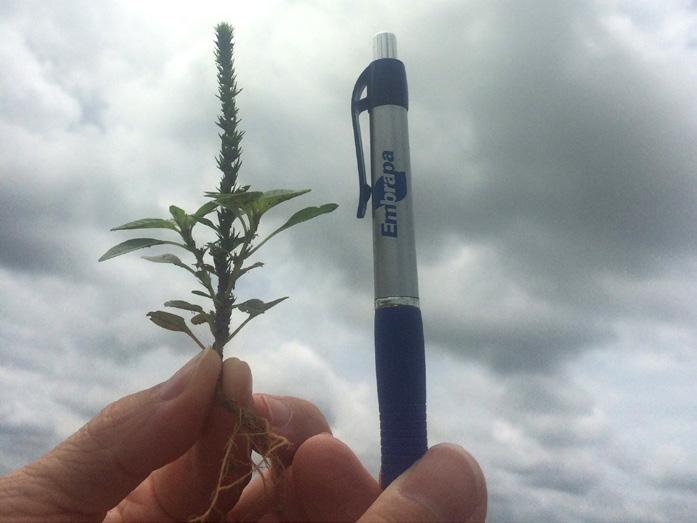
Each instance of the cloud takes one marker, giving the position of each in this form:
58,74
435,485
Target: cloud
575,156
22,441
474,306
554,190
671,468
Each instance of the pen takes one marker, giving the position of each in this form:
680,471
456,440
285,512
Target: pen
399,342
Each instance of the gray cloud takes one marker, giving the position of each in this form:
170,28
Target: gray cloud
553,172
563,476
18,444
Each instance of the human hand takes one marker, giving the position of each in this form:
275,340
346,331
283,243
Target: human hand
326,482
155,455
152,456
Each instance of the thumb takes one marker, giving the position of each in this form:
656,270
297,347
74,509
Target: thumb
100,464
446,484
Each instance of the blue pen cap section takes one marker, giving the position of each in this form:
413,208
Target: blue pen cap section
387,84
401,373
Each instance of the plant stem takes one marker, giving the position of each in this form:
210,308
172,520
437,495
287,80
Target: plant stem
198,342
229,163
240,326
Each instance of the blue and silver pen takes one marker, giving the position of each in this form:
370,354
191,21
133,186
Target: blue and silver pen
399,340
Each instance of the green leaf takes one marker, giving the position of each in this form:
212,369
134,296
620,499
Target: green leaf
270,199
201,293
204,277
178,214
205,221
182,219
185,221
204,317
147,223
169,258
253,266
301,216
181,304
172,322
201,318
206,208
308,214
254,307
133,245
239,201
168,321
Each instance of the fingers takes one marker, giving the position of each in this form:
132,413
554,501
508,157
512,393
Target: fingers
184,487
326,482
100,464
329,482
445,485
293,418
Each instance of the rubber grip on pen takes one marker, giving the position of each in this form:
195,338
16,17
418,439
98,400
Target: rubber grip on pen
401,377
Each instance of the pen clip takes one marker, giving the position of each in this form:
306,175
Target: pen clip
358,105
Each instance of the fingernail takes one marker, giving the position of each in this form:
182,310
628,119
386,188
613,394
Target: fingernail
174,386
237,381
279,412
445,482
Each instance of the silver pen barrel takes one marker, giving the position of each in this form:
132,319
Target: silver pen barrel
394,253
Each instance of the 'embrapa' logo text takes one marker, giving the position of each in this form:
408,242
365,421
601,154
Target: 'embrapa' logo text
390,188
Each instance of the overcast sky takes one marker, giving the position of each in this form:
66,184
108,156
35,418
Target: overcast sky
554,147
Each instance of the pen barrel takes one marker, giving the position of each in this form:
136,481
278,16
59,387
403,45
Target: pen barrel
401,371
394,253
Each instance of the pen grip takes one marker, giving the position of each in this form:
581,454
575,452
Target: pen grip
401,378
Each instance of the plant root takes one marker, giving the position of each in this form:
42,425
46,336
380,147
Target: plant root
256,435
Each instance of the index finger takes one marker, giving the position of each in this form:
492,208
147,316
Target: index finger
294,419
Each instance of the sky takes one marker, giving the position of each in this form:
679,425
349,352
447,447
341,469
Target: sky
555,193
